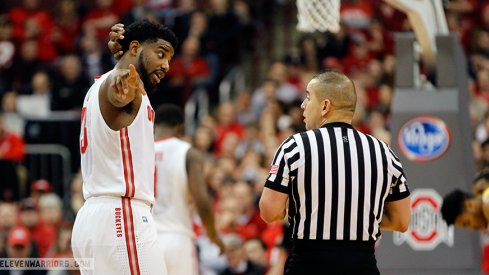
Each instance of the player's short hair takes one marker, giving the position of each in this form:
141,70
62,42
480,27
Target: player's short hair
147,31
169,115
453,205
483,175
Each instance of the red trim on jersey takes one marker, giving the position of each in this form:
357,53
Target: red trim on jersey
122,137
134,238
127,231
155,175
131,169
127,162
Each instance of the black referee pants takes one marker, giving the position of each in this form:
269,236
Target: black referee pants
311,257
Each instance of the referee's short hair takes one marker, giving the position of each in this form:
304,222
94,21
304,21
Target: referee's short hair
169,115
453,205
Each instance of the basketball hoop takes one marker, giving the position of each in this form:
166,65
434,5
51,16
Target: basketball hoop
318,15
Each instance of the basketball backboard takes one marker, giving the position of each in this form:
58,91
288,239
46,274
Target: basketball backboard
427,18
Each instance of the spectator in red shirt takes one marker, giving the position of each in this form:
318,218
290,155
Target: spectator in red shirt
189,70
19,245
226,124
32,22
100,19
11,145
249,223
43,235
68,25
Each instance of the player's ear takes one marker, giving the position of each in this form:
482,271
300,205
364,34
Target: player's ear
134,47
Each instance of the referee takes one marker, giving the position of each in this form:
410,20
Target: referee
341,186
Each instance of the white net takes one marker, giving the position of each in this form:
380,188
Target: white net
318,15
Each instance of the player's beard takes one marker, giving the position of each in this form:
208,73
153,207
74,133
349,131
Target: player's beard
149,86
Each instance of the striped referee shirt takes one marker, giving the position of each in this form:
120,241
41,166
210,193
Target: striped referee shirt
337,180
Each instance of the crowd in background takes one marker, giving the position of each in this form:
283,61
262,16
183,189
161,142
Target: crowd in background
50,52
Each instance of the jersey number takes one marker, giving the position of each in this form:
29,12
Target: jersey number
83,135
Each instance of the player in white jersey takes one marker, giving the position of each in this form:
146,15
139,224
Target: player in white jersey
115,227
179,181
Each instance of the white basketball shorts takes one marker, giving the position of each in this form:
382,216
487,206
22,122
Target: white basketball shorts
180,254
119,235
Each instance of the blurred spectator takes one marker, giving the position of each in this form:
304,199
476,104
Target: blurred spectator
334,44
202,139
256,251
236,258
226,124
99,20
249,223
11,144
11,154
38,188
20,245
356,13
76,199
7,50
286,92
480,42
264,95
250,141
95,59
31,22
359,55
12,121
392,19
51,209
70,85
485,155
181,23
224,32
43,235
139,11
189,71
68,26
484,15
8,216
247,25
244,111
379,41
62,249
25,65
37,102
482,130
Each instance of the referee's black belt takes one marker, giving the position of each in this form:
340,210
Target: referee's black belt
333,245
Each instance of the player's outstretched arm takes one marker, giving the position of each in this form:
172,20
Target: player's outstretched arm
198,190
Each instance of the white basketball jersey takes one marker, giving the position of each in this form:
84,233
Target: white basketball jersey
172,211
116,163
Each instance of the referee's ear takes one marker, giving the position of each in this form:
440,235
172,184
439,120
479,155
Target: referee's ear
326,104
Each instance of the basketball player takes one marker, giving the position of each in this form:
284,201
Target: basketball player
115,227
469,211
179,180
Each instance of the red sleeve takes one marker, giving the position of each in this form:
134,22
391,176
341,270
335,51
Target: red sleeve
485,259
15,148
